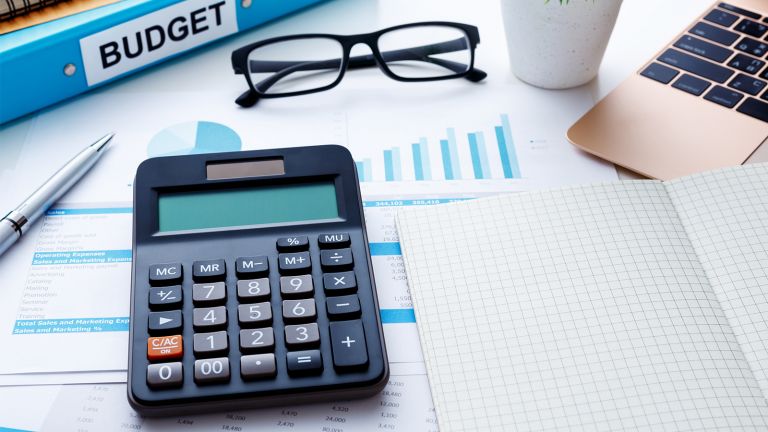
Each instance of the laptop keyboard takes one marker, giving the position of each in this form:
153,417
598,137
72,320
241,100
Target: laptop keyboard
722,58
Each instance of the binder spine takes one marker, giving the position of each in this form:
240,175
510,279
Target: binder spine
51,68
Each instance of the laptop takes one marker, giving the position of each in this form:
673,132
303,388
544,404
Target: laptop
701,103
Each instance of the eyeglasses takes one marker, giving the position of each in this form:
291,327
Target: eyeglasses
308,63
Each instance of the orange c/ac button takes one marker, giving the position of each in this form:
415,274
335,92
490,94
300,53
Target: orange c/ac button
164,348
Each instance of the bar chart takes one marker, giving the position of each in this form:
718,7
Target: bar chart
451,155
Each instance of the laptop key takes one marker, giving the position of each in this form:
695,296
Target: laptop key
739,10
703,48
721,17
746,63
754,108
751,28
752,46
715,34
723,96
691,84
747,84
695,65
659,73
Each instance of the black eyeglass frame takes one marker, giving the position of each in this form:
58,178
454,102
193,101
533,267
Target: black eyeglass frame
240,58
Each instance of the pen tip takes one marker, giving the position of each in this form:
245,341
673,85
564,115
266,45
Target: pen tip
100,144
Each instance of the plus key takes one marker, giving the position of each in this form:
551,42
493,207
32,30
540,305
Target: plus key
348,345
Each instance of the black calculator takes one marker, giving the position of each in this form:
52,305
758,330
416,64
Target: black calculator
252,283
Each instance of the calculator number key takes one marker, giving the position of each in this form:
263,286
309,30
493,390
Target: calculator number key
203,271
304,362
258,366
339,283
165,375
336,259
165,274
304,335
348,345
164,298
253,289
210,344
209,318
164,348
212,370
209,293
293,244
254,340
299,310
296,286
252,266
254,315
294,263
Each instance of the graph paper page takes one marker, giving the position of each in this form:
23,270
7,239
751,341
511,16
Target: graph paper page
576,309
726,216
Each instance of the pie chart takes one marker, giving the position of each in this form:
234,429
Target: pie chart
194,137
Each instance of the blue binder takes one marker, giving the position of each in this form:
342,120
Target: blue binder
45,64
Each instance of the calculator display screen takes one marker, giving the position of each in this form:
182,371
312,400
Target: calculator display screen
261,205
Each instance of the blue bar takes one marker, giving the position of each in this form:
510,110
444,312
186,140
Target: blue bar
398,316
477,167
396,166
81,257
360,171
389,174
5,429
418,169
483,155
503,152
515,167
447,166
368,169
71,325
454,154
385,248
427,169
87,211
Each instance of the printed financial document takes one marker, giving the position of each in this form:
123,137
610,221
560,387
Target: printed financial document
68,282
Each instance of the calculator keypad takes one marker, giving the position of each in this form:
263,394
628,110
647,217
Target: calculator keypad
259,332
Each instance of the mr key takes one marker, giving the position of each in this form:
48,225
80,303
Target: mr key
237,304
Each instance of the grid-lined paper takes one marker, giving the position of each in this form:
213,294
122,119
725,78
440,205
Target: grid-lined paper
575,309
726,216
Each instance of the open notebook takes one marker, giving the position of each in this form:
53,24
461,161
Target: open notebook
624,306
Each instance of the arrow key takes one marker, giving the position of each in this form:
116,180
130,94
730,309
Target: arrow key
165,322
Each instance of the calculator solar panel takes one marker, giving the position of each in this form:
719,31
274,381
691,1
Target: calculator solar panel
252,283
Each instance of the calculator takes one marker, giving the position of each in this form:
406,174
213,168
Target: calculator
252,283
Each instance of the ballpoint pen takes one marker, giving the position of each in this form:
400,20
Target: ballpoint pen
14,224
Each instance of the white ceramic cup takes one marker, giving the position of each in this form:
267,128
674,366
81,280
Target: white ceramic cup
556,46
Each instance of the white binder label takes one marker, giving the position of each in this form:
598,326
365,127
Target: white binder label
154,36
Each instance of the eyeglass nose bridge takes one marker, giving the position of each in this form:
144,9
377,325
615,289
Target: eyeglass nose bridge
365,60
